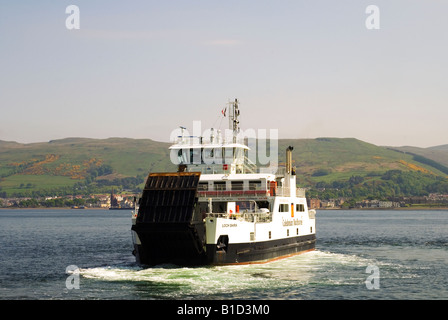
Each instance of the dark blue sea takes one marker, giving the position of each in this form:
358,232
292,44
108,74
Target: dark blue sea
87,255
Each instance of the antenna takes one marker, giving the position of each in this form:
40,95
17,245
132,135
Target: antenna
182,131
234,113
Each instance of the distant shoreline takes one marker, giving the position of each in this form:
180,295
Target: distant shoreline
420,208
60,208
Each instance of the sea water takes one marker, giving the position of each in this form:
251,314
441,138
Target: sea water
87,254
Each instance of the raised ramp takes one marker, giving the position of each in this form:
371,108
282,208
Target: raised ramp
166,226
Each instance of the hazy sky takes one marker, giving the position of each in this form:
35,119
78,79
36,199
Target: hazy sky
140,69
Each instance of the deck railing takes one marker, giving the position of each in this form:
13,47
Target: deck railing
234,193
280,191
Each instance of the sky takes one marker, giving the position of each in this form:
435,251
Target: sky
141,69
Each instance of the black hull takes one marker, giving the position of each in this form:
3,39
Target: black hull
178,252
260,252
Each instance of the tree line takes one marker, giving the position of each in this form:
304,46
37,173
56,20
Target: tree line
391,184
54,203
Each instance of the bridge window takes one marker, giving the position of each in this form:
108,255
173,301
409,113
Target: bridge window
208,156
283,208
228,155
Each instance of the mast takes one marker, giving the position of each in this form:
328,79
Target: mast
290,179
234,113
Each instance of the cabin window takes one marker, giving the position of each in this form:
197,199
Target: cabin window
246,206
287,232
269,234
300,207
254,185
220,185
283,208
297,231
203,186
218,207
237,185
252,236
263,204
311,229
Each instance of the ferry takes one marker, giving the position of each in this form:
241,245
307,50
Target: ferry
222,212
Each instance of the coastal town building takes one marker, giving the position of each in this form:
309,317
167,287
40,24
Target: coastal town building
105,201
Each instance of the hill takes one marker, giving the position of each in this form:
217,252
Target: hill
65,163
331,159
94,165
438,153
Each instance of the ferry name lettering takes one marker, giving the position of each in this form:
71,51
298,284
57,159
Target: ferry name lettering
225,225
292,222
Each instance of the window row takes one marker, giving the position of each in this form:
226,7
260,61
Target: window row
234,185
284,207
208,155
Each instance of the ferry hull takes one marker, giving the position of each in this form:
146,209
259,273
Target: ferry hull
179,248
168,229
260,252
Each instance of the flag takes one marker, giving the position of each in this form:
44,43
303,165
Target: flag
223,111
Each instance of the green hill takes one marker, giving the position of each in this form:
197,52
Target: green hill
330,159
438,154
74,161
90,165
